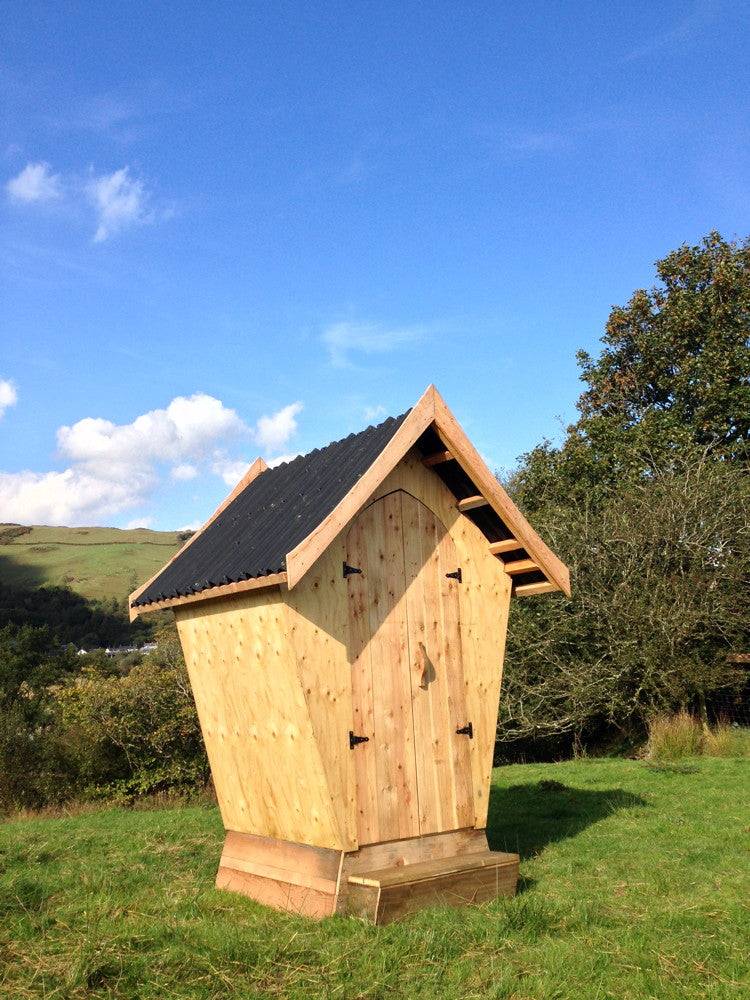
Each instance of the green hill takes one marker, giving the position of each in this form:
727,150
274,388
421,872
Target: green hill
97,563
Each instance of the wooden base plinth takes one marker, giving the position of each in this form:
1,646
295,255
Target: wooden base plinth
379,882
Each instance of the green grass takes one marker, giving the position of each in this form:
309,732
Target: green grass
634,878
94,562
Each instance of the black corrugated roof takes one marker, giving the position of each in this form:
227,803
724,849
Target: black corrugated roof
253,534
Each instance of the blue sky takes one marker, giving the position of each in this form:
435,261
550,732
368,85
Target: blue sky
231,229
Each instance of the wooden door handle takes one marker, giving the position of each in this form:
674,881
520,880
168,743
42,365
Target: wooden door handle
428,671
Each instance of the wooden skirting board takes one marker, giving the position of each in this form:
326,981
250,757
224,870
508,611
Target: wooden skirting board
378,882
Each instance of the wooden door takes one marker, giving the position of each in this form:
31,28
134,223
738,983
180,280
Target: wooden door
414,774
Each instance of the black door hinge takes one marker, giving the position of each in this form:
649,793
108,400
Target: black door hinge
467,730
348,570
455,575
354,740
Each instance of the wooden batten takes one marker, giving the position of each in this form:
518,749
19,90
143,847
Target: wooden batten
471,503
532,589
437,458
506,545
521,566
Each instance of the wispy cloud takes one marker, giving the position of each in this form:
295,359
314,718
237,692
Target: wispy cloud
346,340
372,413
35,182
8,396
120,200
686,30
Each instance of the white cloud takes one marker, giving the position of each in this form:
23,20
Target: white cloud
231,470
187,428
140,522
115,467
280,459
8,396
347,338
273,432
184,472
74,496
36,182
120,200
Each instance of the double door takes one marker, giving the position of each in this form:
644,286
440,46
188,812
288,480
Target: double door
413,772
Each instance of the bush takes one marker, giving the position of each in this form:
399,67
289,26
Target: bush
132,735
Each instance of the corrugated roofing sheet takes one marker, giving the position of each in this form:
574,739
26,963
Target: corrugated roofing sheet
252,536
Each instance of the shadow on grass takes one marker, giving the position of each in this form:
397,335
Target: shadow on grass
526,818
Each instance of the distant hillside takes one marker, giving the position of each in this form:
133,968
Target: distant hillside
94,562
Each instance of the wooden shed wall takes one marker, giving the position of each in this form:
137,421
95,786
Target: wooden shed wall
272,682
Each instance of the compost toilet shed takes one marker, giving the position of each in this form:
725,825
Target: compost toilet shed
343,619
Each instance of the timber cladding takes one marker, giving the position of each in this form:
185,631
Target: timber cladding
349,702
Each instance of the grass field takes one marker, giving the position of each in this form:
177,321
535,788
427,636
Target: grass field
94,562
635,883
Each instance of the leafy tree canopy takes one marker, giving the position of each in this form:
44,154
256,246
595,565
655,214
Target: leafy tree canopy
673,377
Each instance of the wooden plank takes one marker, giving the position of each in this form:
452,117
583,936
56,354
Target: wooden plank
467,888
392,893
506,545
437,679
226,590
468,457
256,468
413,850
249,849
531,589
364,756
280,895
484,597
318,629
437,458
399,875
302,557
406,852
396,790
521,566
438,701
471,503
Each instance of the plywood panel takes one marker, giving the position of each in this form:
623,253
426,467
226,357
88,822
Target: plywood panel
264,758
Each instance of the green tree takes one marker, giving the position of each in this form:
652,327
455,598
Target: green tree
673,376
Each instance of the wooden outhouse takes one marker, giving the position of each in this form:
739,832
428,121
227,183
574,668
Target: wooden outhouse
343,619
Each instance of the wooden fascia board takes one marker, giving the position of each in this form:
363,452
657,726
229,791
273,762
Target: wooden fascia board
225,590
302,557
256,468
469,459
